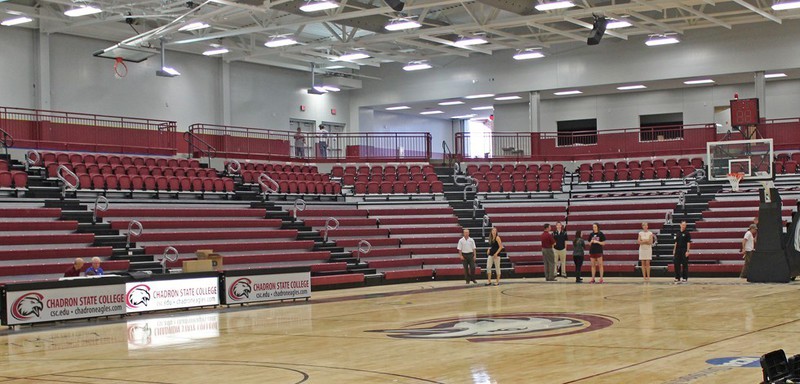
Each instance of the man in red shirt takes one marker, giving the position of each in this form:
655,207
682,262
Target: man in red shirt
75,269
548,241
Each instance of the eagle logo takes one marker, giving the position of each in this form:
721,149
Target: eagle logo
138,296
27,306
240,289
499,327
139,334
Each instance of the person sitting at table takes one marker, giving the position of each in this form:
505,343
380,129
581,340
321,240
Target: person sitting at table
95,269
75,269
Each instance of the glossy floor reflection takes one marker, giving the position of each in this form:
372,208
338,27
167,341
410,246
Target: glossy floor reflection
524,331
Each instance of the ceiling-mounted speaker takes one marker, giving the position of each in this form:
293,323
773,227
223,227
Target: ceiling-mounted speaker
598,29
397,5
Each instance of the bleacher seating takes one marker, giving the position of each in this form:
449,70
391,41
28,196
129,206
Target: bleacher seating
389,179
517,178
633,170
291,178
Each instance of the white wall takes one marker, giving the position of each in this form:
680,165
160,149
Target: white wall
512,117
16,67
440,129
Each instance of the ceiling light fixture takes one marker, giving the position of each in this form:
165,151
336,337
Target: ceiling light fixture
216,51
656,40
16,21
774,75
331,88
402,24
469,41
554,5
782,6
484,108
398,108
166,71
507,98
464,116
83,10
479,96
431,112
567,93
280,41
417,66
455,102
617,24
197,25
701,81
631,87
527,54
316,6
350,56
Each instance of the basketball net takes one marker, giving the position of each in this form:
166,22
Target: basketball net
120,68
734,178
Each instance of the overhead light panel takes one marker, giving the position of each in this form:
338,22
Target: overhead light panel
507,98
479,96
280,41
567,93
16,21
331,88
527,54
216,51
455,102
402,24
316,6
617,24
167,72
84,10
784,5
484,108
431,112
197,25
350,56
631,87
417,66
700,81
471,115
656,40
398,108
554,5
336,67
470,41
774,75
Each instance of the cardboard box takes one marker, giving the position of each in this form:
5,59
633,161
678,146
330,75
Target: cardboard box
197,266
202,254
216,261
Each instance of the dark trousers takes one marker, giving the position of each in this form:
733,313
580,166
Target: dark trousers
469,268
681,264
578,260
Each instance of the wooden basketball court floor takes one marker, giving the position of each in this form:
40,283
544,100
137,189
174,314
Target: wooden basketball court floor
523,331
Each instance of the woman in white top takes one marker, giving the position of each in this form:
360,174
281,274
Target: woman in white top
646,240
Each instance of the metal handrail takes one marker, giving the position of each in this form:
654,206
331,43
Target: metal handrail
170,254
475,206
67,185
6,137
209,152
456,169
134,229
32,162
484,223
472,187
299,205
329,227
682,200
449,158
234,166
263,179
100,204
668,218
364,247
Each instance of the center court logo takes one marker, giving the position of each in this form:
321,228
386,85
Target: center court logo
138,296
240,289
27,306
503,327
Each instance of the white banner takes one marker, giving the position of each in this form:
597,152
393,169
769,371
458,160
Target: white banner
253,288
34,306
159,332
171,294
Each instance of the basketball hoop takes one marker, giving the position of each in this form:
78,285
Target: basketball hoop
734,178
120,68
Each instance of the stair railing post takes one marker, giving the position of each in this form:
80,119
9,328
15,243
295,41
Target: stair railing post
299,205
331,224
134,229
100,205
170,255
364,247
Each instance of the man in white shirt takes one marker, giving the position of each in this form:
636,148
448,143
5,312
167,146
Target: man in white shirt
467,251
748,246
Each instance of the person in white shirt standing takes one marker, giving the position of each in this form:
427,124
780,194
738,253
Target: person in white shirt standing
467,251
748,246
323,142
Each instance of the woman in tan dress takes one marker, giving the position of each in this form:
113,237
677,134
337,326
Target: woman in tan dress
646,240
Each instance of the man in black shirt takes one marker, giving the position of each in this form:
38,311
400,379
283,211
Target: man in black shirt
680,252
560,250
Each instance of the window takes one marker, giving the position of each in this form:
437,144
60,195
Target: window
661,126
577,132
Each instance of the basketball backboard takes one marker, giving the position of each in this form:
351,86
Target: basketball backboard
753,158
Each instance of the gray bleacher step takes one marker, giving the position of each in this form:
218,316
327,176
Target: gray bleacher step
66,204
265,204
309,235
42,192
97,229
125,253
460,204
278,215
140,266
81,216
298,225
459,195
134,258
365,271
373,279
116,240
453,187
331,247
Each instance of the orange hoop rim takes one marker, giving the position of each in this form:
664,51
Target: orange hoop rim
736,175
120,73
